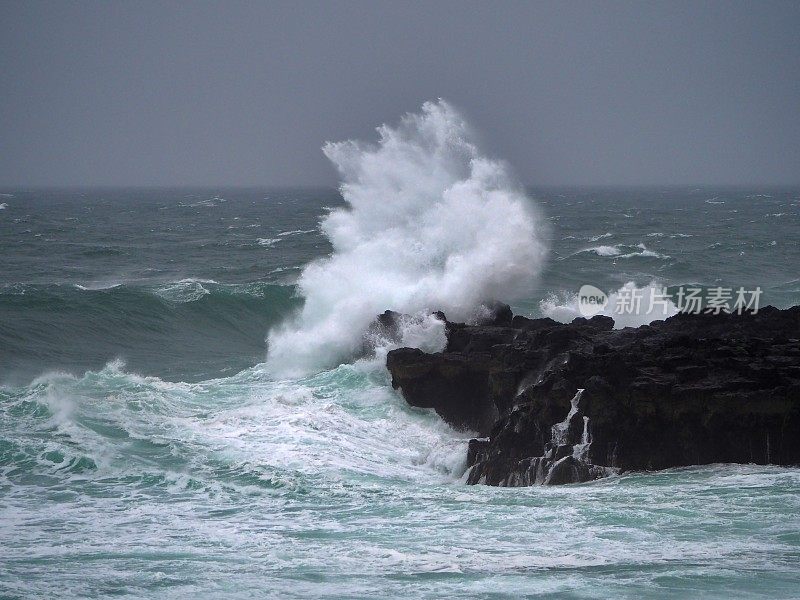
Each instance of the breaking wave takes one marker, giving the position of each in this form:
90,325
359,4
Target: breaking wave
623,251
169,328
430,224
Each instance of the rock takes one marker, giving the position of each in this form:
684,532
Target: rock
693,389
496,314
385,328
451,384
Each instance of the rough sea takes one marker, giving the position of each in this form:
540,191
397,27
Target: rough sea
150,448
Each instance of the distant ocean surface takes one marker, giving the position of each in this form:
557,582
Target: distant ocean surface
184,284
147,450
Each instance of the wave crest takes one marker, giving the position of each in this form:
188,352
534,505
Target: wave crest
430,224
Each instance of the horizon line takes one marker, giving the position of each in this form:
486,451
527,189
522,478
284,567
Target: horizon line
263,186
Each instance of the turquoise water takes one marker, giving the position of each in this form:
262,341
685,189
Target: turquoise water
147,451
120,484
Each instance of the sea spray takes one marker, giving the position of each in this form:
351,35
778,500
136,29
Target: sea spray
219,477
629,306
430,224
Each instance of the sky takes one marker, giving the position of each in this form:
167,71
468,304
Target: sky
246,93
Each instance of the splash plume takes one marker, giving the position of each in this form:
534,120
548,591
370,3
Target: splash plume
430,224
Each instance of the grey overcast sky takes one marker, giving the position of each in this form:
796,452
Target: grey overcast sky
241,93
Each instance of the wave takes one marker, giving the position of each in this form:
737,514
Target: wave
118,427
3,205
564,307
188,328
334,474
296,232
645,252
605,250
191,289
95,286
205,203
623,251
269,242
430,224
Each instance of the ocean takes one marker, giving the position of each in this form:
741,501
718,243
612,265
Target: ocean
184,412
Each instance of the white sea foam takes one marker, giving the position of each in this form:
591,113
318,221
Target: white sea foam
564,308
600,237
643,251
268,242
209,203
295,232
4,206
337,422
672,236
623,251
98,286
185,290
430,224
605,250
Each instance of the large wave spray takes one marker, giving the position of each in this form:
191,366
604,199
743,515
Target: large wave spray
431,224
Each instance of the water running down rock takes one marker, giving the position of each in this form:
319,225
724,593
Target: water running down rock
562,403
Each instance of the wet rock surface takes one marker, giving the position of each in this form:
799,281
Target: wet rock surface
556,403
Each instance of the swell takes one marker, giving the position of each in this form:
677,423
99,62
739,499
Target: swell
115,428
182,330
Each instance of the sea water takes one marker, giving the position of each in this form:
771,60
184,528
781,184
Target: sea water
152,446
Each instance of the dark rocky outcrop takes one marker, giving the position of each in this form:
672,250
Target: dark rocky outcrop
694,389
385,328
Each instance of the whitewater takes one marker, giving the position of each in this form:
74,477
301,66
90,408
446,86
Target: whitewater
430,224
188,411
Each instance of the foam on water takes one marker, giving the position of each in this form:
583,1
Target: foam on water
430,224
602,236
623,250
331,485
340,422
626,312
216,479
185,290
296,232
605,250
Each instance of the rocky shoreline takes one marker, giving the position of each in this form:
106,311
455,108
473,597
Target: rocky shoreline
563,403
